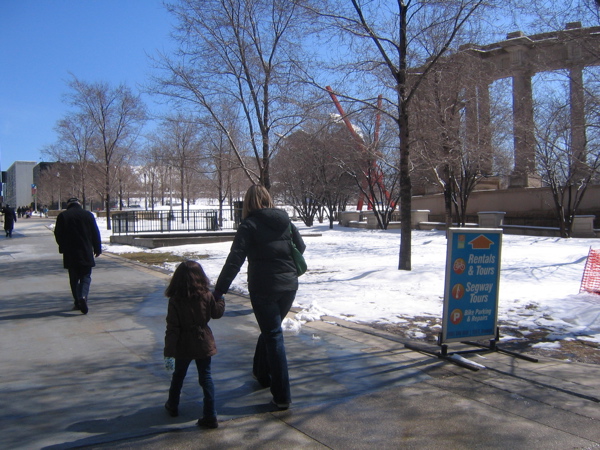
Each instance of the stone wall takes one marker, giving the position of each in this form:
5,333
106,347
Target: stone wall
514,202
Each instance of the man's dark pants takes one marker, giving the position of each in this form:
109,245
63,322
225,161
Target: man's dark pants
80,279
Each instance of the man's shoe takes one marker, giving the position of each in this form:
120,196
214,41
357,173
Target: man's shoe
172,410
75,307
208,422
83,305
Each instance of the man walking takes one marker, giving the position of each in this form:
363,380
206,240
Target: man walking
9,220
78,240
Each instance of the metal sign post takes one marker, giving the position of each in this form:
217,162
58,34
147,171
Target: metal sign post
471,295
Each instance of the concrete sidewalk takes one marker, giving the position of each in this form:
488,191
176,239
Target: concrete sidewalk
97,381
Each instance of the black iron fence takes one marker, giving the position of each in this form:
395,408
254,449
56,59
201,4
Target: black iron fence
133,222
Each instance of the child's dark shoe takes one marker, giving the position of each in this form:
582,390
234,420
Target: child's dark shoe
280,406
172,410
208,422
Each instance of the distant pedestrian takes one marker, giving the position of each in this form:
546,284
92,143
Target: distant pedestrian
78,240
9,219
264,237
189,338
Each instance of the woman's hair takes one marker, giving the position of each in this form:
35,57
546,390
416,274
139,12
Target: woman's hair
257,197
188,281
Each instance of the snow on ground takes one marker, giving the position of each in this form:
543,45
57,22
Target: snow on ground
353,275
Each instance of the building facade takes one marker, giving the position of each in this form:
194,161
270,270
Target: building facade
19,180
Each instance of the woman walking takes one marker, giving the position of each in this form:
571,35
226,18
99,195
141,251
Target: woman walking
264,238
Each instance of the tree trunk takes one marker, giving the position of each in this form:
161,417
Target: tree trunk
405,194
405,182
107,204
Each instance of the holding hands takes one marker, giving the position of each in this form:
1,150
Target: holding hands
169,364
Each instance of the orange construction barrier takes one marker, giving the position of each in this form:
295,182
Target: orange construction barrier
591,274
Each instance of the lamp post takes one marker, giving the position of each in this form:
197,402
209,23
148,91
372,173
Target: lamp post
73,190
34,195
171,191
59,204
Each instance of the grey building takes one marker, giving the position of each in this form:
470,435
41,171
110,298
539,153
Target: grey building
19,180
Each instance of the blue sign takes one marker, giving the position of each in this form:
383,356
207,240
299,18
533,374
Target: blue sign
472,281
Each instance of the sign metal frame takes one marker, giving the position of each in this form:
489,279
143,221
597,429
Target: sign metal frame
472,284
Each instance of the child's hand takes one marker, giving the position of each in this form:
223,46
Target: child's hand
169,364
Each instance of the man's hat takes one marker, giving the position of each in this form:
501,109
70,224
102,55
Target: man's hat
73,200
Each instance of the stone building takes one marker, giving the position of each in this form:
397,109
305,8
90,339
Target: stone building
457,93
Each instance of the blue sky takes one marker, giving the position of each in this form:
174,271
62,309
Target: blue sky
43,41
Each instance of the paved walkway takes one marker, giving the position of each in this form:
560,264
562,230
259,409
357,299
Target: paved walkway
97,381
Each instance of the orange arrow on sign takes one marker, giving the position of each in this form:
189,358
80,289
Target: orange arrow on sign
481,242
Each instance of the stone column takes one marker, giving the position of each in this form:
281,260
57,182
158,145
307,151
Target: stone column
523,126
485,127
478,122
578,137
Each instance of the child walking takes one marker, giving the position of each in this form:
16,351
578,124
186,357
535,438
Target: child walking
189,338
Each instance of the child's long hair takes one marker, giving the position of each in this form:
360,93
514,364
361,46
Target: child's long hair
189,281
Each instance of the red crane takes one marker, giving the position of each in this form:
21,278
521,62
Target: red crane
360,143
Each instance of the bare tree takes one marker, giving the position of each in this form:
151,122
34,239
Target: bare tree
385,38
223,173
311,170
128,184
236,56
537,16
567,170
336,186
296,169
377,163
374,163
46,187
75,143
117,115
54,187
151,172
452,149
179,138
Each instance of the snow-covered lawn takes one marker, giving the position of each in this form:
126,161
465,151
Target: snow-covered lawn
353,275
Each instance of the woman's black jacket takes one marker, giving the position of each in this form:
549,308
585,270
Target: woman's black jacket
264,238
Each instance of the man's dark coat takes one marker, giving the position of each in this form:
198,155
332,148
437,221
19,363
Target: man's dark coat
78,237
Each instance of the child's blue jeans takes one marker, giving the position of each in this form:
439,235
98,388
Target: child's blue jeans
204,378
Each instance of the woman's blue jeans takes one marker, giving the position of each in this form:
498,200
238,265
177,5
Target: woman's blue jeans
204,378
270,310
